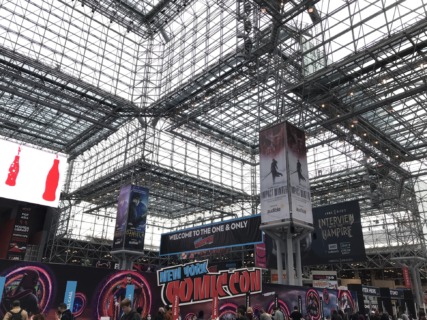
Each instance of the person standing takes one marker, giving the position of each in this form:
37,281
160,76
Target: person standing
296,315
128,312
16,313
64,313
278,314
264,315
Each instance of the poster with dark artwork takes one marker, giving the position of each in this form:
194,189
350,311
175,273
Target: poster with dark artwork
132,209
337,235
25,223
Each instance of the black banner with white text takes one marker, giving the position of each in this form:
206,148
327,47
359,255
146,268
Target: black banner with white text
236,232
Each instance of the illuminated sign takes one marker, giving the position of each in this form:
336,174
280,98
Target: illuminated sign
31,175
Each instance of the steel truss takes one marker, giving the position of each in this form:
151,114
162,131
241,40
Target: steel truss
172,94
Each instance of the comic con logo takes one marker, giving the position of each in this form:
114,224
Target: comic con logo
193,283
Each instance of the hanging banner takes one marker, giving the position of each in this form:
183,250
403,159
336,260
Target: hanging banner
215,307
260,255
70,294
31,175
337,235
236,232
122,217
406,277
273,174
25,223
298,174
285,189
131,218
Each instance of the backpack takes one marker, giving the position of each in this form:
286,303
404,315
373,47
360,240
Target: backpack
16,315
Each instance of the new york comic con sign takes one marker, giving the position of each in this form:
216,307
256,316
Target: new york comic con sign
193,283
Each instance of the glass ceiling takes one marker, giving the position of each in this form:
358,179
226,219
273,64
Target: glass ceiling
172,94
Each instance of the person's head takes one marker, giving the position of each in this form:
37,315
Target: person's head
139,310
161,310
126,305
39,316
129,279
62,307
296,308
30,279
136,198
16,303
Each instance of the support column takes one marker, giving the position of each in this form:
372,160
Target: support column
289,259
279,261
298,266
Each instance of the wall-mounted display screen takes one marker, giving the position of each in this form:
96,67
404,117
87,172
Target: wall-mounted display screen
31,175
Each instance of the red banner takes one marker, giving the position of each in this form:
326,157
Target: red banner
215,303
175,307
406,277
260,256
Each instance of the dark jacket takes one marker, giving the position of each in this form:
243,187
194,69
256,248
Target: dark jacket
67,315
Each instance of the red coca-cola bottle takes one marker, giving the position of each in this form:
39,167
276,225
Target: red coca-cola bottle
52,180
13,170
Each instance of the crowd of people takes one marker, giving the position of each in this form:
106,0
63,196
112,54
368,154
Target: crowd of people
19,313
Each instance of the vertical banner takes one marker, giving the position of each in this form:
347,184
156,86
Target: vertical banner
2,282
122,217
406,277
137,218
131,218
260,256
298,174
175,307
285,189
24,225
215,306
273,177
70,294
130,291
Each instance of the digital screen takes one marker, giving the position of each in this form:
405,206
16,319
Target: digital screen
31,175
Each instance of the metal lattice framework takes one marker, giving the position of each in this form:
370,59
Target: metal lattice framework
171,94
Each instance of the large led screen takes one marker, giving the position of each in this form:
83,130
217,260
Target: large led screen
30,175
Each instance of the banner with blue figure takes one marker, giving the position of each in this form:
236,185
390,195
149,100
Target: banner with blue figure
70,294
137,219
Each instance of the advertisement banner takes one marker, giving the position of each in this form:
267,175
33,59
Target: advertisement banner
337,235
131,218
39,288
298,174
122,217
70,294
2,282
406,277
25,222
236,232
325,279
130,290
260,255
285,189
273,174
31,175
